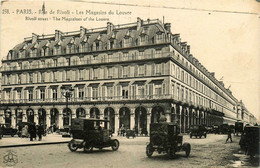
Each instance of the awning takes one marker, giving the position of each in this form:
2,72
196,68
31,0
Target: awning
18,88
109,84
29,88
125,83
142,82
7,89
41,87
80,85
157,81
93,84
53,86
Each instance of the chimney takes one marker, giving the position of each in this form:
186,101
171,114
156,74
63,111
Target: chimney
167,26
34,37
213,74
83,31
58,35
188,49
139,23
110,27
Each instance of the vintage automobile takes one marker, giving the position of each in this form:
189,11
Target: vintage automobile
7,129
165,138
223,129
91,133
130,133
216,129
239,125
249,141
198,131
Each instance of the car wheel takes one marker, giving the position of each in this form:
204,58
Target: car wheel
115,145
205,135
149,150
87,148
187,148
190,135
171,153
12,135
73,147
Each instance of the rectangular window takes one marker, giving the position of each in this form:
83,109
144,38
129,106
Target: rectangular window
110,73
94,93
81,93
54,94
19,95
125,71
158,90
125,92
110,92
19,79
30,95
141,70
42,94
141,91
30,77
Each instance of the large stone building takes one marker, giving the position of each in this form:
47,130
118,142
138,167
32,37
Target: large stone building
130,74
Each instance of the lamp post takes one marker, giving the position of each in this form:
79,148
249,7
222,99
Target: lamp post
67,93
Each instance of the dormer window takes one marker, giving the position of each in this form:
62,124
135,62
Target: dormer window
57,50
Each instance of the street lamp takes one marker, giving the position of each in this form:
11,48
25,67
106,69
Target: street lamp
67,93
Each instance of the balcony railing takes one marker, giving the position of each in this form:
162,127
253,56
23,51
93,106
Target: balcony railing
130,57
107,98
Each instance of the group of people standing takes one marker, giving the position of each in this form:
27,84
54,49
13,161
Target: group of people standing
32,130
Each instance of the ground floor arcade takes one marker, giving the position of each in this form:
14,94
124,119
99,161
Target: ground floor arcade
136,115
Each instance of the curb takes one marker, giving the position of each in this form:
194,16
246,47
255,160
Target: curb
36,144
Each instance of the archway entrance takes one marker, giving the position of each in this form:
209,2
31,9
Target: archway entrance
94,113
30,115
19,116
157,111
54,118
124,118
8,115
80,112
42,116
141,120
67,115
109,114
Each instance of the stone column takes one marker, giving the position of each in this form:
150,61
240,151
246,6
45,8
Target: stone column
188,117
24,119
184,120
48,118
132,118
180,117
168,115
36,117
2,116
116,120
87,112
149,111
13,119
60,119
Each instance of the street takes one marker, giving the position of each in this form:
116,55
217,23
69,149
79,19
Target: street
209,152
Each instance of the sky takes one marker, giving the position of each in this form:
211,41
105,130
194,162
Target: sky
223,35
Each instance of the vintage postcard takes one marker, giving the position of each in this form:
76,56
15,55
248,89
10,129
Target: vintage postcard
129,83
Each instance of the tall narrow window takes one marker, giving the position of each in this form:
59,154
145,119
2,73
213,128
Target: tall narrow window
30,95
42,94
54,94
81,93
95,93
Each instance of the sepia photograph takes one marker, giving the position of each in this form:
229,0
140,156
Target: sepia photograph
127,84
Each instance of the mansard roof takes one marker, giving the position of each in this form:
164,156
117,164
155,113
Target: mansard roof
118,33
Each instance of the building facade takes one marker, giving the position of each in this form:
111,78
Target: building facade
130,74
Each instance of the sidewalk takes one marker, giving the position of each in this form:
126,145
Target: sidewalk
8,141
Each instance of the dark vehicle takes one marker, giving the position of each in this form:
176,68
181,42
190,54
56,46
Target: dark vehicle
224,128
8,130
249,141
165,138
130,133
89,134
210,129
216,129
239,127
198,131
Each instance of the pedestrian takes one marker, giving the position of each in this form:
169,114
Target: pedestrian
32,131
1,132
40,132
229,135
24,132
